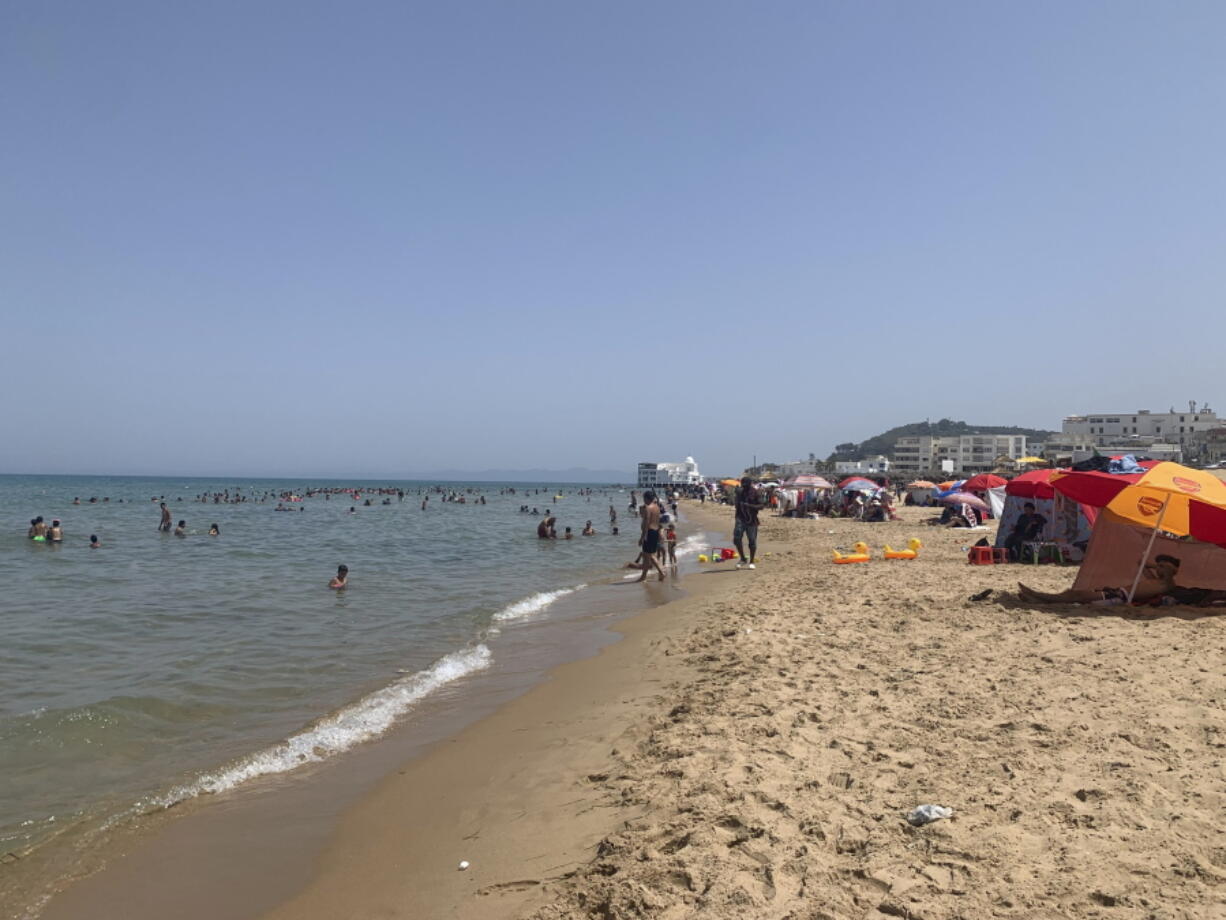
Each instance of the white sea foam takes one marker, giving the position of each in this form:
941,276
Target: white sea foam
365,719
534,604
692,544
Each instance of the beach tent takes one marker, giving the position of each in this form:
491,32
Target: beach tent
921,491
1119,548
1067,521
1166,498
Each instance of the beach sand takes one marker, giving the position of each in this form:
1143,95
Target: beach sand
752,750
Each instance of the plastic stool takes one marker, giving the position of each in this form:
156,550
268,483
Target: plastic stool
1000,555
980,555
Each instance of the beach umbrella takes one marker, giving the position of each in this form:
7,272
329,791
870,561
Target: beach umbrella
1029,460
1167,496
1035,484
964,498
808,481
983,482
921,484
858,484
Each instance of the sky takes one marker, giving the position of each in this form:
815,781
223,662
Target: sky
384,237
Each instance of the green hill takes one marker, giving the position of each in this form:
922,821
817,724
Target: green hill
884,443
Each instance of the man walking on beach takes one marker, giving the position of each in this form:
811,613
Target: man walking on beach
748,504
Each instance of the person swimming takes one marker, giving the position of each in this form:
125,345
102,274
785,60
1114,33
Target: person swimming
214,531
181,530
94,542
341,578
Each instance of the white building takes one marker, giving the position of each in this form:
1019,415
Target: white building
962,454
867,466
669,474
797,468
1106,429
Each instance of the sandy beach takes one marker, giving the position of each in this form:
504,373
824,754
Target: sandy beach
752,751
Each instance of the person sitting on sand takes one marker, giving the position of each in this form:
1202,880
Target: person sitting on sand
963,516
341,578
1027,528
1157,579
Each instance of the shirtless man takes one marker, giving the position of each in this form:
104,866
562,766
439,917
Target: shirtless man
1157,579
165,525
54,533
649,539
340,579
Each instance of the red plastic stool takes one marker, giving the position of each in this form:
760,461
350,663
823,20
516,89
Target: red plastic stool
1000,555
980,555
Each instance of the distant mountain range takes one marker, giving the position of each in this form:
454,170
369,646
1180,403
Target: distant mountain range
574,474
884,443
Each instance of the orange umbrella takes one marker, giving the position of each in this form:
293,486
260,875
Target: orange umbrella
922,484
1168,496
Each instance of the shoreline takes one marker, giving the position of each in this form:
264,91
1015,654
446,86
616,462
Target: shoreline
176,859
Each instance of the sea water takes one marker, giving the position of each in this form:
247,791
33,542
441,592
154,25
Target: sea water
158,668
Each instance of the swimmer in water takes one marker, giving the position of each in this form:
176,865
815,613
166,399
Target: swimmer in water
569,535
94,543
164,526
341,578
214,531
588,529
181,530
55,534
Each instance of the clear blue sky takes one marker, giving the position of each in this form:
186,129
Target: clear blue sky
374,238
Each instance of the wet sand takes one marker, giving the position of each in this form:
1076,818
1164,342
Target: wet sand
751,751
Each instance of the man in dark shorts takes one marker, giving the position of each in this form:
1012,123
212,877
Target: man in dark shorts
748,504
649,539
165,525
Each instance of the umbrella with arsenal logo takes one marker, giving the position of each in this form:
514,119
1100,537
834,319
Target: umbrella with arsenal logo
1168,497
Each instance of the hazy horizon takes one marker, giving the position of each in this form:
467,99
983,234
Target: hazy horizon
397,236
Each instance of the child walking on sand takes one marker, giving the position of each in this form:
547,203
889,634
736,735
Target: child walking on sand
670,536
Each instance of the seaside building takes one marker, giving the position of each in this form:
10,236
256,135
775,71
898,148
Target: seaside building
1210,446
669,474
960,454
1109,429
866,466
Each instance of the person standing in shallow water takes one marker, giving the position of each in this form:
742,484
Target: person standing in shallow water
341,578
166,524
649,538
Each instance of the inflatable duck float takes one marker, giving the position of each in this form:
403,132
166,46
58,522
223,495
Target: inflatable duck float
859,553
912,550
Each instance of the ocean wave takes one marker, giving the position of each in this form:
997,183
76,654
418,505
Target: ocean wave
365,719
534,604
